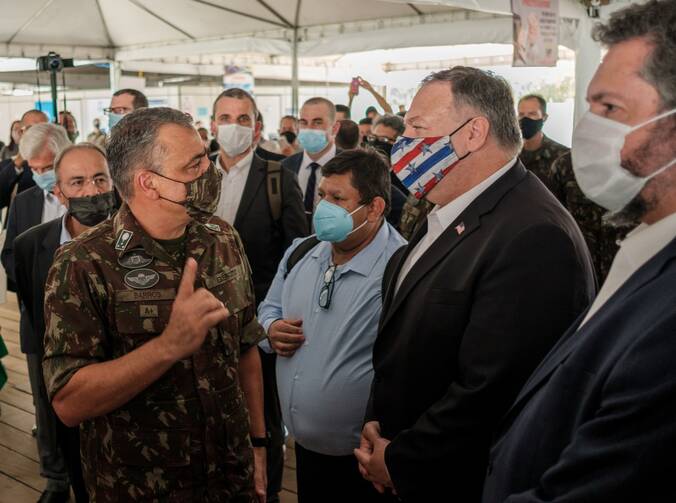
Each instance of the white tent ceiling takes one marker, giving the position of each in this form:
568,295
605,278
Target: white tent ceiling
95,29
134,33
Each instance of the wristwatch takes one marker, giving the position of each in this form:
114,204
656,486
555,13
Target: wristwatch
261,441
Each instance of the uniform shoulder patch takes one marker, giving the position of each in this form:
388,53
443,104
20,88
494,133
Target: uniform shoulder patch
123,240
213,227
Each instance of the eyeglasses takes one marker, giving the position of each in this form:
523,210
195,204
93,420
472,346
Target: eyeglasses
326,292
117,110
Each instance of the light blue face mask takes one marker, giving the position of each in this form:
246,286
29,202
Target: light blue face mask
46,180
333,223
113,119
313,140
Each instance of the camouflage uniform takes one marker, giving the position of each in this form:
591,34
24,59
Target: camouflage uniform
540,161
601,238
413,215
186,436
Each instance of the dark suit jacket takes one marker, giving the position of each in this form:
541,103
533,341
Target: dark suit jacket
264,240
34,254
596,422
24,213
266,155
472,319
397,201
9,179
294,161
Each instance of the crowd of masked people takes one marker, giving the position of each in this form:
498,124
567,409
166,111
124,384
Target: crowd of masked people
442,304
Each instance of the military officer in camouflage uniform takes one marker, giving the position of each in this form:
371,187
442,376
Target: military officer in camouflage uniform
151,330
539,152
601,237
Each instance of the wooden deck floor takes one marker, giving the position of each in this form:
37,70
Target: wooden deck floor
20,480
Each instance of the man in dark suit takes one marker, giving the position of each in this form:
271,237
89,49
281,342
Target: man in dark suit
476,299
596,422
39,146
82,177
317,136
15,174
263,201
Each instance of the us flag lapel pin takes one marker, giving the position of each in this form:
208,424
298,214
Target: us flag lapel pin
460,228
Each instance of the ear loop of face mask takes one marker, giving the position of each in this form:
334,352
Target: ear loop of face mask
645,123
183,204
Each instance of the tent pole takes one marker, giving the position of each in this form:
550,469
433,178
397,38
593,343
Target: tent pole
294,73
587,59
115,73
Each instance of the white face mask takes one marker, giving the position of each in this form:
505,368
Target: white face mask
597,164
234,139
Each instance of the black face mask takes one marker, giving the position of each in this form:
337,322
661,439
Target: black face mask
383,146
290,136
92,210
530,127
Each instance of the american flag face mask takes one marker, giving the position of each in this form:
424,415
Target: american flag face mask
421,163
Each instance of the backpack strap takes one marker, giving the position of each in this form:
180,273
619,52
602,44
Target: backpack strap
301,250
274,188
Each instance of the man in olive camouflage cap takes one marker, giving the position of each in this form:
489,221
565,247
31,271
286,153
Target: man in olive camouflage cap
539,151
151,331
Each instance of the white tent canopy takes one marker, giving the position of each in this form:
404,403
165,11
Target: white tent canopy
132,33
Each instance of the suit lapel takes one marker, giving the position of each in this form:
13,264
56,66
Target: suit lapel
400,257
568,343
470,218
37,207
253,183
48,248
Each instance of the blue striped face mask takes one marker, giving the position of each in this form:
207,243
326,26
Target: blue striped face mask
421,163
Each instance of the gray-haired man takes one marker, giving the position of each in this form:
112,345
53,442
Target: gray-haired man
476,299
39,146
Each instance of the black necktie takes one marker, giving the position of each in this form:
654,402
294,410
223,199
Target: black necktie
310,189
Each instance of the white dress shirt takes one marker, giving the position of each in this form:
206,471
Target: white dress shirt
65,235
441,217
304,171
640,245
232,187
52,208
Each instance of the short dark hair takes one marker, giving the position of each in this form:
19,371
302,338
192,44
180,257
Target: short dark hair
655,21
487,94
344,109
348,135
292,117
392,121
323,101
140,100
541,101
371,109
369,173
238,94
133,143
366,120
